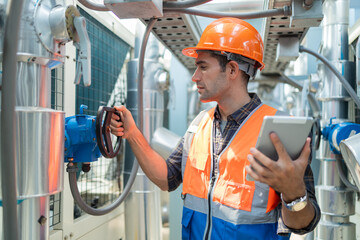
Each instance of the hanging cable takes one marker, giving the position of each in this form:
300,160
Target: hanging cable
342,174
285,11
72,169
343,81
8,120
94,6
184,4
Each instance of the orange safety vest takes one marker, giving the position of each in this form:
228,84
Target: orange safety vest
231,187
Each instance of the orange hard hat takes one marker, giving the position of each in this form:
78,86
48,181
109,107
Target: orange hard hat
231,35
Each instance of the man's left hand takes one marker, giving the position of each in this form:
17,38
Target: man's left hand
285,175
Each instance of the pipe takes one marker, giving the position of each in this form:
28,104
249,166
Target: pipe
8,125
141,73
357,55
343,81
166,5
184,4
94,6
285,11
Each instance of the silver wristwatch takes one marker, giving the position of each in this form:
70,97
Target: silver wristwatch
296,205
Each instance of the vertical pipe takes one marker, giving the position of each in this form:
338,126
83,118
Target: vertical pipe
337,202
138,221
8,138
358,67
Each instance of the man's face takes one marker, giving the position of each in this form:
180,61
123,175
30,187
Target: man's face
210,80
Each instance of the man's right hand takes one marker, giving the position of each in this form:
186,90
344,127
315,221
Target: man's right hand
124,128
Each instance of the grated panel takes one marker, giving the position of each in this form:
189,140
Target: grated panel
102,184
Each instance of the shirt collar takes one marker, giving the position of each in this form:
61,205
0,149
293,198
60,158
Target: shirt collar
240,114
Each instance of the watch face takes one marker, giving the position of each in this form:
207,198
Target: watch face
299,206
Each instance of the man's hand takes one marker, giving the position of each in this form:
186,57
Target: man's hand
285,175
124,128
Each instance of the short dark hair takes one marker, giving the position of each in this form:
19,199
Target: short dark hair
223,61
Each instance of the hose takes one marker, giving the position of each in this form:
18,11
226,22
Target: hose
8,120
342,174
184,4
72,169
311,97
166,5
291,82
285,11
343,81
94,6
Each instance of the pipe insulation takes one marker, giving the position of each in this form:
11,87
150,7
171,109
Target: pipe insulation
285,11
343,81
8,125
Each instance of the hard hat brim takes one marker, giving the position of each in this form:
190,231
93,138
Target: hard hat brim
192,52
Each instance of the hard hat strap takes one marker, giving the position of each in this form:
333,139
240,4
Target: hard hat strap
245,64
249,66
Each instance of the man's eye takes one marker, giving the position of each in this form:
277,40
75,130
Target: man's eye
202,67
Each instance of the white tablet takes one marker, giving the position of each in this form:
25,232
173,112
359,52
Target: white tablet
292,131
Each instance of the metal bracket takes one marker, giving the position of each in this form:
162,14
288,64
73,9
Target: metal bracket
83,45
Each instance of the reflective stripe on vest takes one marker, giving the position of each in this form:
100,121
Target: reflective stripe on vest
234,198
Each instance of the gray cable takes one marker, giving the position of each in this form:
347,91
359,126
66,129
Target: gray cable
72,169
285,11
311,97
94,6
184,4
343,81
8,120
291,82
342,174
104,210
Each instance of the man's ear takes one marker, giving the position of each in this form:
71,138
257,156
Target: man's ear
233,69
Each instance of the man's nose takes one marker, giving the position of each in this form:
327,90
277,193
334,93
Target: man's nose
196,76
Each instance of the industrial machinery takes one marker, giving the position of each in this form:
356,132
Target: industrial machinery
39,150
36,138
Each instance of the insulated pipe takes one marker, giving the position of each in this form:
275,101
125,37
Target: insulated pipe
94,6
285,11
343,81
72,169
141,73
184,4
8,125
358,66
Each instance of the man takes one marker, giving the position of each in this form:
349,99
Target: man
213,158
